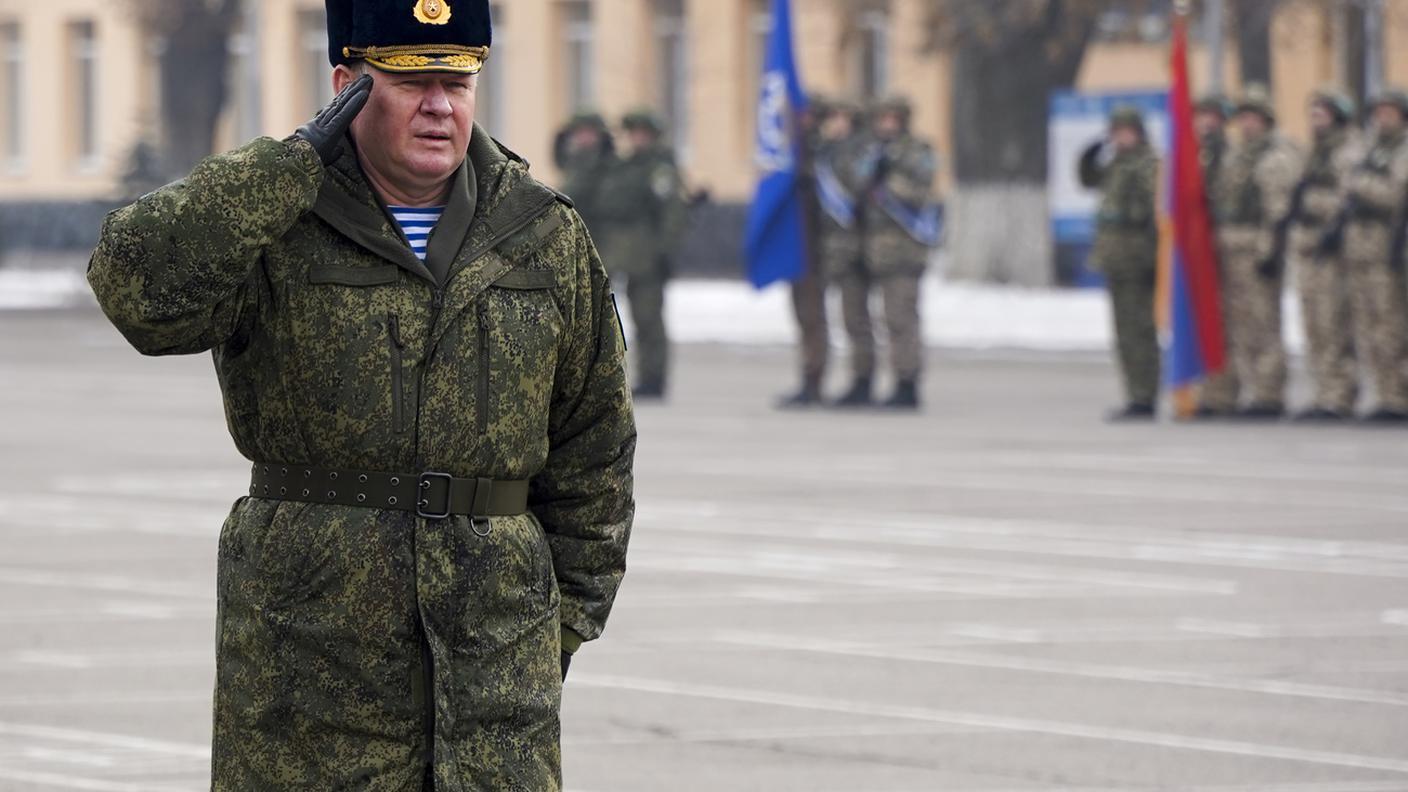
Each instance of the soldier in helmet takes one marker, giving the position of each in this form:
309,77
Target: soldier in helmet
809,291
642,218
1322,275
1373,254
417,347
585,153
1210,116
1252,199
1126,253
894,176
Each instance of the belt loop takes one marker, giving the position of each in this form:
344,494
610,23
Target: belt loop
479,520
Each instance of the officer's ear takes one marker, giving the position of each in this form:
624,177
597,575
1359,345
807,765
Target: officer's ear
344,75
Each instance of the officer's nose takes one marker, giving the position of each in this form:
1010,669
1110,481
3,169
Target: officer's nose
436,101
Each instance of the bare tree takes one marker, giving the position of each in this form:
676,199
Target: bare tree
194,73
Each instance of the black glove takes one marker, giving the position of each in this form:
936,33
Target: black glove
326,129
566,661
1269,269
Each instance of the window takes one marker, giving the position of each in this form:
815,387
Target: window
672,53
873,71
83,54
316,84
577,44
489,94
11,96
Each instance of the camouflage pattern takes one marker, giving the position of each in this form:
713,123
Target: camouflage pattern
856,287
1252,197
642,218
809,291
1323,277
1378,294
360,648
1126,252
1212,151
905,168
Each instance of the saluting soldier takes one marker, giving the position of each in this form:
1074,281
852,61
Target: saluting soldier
1373,240
642,218
1322,274
1126,253
895,179
441,494
1252,200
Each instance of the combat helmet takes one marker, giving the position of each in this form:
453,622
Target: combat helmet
1396,98
1336,101
587,119
897,105
1257,99
1215,103
643,118
1127,116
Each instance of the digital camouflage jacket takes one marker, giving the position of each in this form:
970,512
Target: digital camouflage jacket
367,649
1126,233
896,173
642,212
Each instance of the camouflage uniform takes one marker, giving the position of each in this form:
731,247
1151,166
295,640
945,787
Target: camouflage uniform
840,250
1253,195
902,169
642,217
1126,252
358,647
584,172
809,291
1378,295
1322,276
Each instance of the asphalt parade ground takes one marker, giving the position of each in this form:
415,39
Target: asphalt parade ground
1002,593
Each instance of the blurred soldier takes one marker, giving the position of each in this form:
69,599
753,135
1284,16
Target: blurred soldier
1321,274
1126,252
1210,116
585,153
441,497
1252,199
1373,249
895,176
642,217
809,292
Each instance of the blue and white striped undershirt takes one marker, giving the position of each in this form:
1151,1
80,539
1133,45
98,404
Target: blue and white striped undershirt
416,224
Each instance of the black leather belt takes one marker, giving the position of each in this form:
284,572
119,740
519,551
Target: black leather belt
434,496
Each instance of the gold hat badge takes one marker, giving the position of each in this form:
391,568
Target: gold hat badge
433,12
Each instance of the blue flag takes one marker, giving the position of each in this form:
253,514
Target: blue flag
775,239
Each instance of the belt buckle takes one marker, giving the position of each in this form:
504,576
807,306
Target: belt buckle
423,497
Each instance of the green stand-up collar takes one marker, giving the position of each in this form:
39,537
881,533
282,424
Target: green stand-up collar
449,234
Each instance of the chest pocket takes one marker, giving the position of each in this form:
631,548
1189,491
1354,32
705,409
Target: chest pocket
520,326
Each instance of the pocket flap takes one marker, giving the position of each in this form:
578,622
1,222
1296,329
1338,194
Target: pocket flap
353,276
526,279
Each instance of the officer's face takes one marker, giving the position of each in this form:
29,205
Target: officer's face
415,129
640,138
889,125
1252,125
1207,123
1321,119
1125,137
1387,118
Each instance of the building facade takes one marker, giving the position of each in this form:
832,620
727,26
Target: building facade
67,133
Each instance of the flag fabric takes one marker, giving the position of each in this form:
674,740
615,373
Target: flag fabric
775,238
1193,313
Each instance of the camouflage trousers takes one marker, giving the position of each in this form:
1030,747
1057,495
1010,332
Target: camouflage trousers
904,330
1251,316
1136,337
809,305
645,292
1379,305
1325,305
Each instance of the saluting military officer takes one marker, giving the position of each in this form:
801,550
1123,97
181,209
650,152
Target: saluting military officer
1378,200
1322,274
642,218
1126,253
441,494
1252,199
895,180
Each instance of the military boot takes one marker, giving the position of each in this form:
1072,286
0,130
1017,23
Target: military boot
1267,411
809,396
905,397
861,394
1132,413
1320,415
1386,417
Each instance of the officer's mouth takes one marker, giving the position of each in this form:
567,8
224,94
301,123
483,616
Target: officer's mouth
434,137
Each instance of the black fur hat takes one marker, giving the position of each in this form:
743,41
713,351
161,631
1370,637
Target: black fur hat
410,35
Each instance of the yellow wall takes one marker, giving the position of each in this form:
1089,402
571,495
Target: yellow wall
723,61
